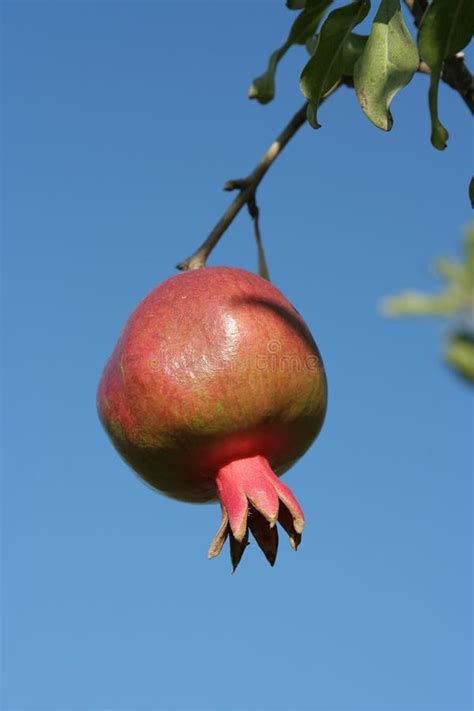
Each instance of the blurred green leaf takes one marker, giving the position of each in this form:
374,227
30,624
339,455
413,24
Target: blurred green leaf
452,271
471,191
469,249
324,69
455,302
447,27
351,51
304,26
459,354
457,298
415,303
386,65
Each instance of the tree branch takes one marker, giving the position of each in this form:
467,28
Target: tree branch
455,71
247,188
457,75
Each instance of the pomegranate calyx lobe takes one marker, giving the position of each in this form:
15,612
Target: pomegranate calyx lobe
252,497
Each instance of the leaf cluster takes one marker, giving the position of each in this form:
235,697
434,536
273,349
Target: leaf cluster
379,64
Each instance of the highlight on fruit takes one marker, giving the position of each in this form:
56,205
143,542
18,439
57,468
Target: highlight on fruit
215,389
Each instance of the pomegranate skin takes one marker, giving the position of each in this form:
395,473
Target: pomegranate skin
214,365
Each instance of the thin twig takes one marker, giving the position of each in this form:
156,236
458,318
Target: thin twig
455,71
247,188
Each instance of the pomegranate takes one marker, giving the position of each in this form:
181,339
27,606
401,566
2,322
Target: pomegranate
215,388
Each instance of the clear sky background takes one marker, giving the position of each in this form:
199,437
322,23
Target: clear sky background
122,120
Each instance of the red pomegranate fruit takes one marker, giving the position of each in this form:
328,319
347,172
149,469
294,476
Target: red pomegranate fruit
215,388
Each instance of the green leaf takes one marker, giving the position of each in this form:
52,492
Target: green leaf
263,87
446,29
387,64
414,303
471,192
353,48
312,44
304,26
295,4
324,69
307,21
460,354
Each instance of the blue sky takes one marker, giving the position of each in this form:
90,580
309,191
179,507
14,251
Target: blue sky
122,120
